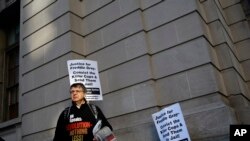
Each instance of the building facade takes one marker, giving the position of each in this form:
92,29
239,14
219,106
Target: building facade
150,54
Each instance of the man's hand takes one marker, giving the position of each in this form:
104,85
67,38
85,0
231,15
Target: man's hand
95,139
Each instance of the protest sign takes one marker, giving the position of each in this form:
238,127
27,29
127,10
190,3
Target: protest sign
170,124
86,72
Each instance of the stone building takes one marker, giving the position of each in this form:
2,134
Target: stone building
150,53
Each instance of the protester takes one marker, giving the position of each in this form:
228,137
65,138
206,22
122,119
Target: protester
76,123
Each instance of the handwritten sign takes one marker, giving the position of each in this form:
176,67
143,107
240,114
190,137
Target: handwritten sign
86,72
170,124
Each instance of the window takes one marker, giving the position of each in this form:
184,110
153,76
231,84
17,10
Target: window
9,60
12,74
10,85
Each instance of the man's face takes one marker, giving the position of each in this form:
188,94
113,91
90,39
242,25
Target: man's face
77,94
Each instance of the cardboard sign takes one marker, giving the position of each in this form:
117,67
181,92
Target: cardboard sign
170,124
86,72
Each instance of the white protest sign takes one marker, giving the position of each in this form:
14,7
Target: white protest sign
170,124
86,72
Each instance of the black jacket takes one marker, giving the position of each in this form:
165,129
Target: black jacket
76,124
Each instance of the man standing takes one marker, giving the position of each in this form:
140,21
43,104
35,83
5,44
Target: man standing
76,123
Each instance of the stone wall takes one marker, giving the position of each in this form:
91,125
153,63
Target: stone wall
150,54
